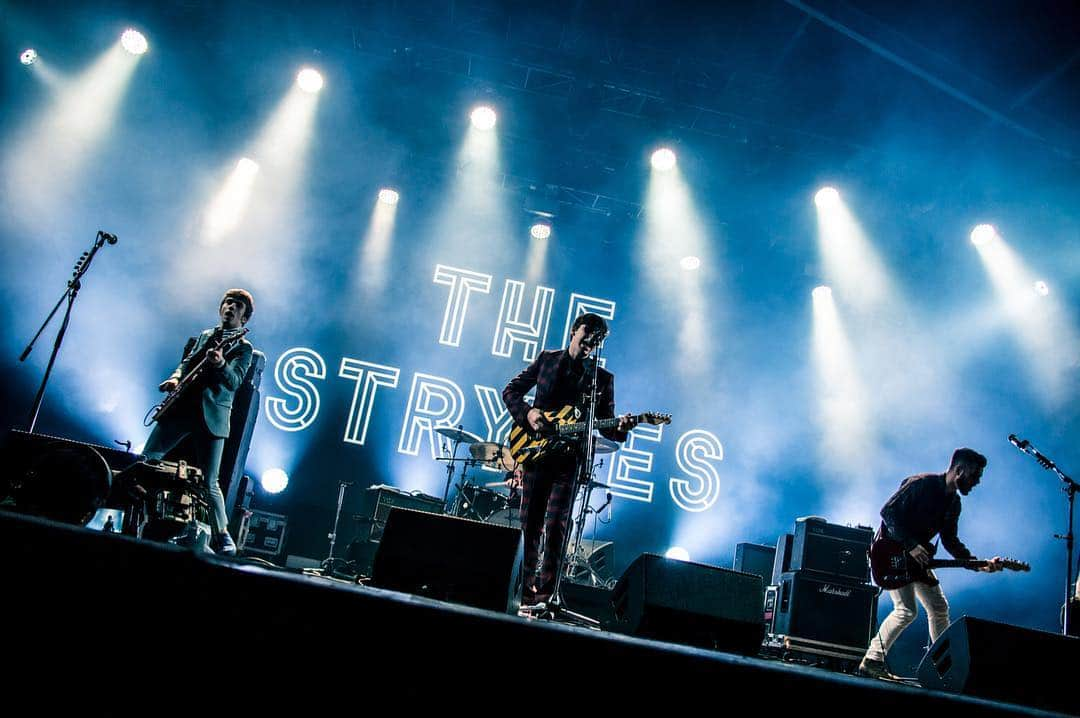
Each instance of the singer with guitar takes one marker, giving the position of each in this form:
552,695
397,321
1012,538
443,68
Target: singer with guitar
203,405
925,506
560,378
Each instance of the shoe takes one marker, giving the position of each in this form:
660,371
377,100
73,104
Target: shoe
225,545
870,668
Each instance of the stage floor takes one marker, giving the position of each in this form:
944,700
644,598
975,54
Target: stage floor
134,627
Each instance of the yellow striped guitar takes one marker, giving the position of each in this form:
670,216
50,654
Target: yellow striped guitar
527,446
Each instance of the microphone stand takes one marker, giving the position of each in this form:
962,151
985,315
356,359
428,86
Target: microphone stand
582,477
1070,488
82,264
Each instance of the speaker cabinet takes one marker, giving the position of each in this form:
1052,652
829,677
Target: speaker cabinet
450,559
818,608
690,603
1001,662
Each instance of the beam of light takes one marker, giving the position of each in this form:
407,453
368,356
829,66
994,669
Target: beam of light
850,262
539,247
663,160
848,443
134,42
309,80
51,150
678,553
274,480
373,269
229,205
674,231
268,230
473,223
29,56
1041,323
983,234
483,118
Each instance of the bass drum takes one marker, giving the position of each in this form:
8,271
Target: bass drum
505,517
65,482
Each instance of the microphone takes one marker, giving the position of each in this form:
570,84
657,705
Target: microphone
110,238
1021,444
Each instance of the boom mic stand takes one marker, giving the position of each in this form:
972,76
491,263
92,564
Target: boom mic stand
1070,488
82,265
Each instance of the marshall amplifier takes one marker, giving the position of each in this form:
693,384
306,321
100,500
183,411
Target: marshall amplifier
377,502
831,549
818,608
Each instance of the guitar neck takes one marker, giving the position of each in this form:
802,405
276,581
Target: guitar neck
957,563
579,426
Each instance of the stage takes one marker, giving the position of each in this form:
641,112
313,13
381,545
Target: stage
124,626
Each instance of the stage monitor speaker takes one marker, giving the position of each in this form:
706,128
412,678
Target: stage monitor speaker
831,549
820,608
690,603
1001,662
756,559
450,559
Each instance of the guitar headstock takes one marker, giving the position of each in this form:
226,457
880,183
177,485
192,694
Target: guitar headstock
1014,565
652,417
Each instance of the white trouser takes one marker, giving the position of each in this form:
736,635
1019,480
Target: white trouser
904,612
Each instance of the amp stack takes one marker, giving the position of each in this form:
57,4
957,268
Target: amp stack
821,604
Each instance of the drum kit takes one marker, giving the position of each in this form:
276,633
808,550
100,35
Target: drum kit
495,502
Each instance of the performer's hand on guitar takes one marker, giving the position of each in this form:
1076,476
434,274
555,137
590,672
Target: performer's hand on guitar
920,554
537,421
168,385
627,422
215,357
994,565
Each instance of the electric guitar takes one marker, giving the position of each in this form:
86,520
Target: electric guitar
159,409
527,446
893,568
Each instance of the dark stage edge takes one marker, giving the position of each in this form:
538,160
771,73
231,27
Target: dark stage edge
116,626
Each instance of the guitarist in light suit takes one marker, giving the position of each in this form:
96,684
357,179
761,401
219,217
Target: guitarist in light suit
203,413
560,378
925,506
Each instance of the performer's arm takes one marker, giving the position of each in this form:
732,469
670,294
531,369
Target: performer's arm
514,394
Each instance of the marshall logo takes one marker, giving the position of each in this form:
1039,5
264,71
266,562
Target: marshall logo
835,590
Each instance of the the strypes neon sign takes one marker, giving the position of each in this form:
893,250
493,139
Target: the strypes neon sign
437,401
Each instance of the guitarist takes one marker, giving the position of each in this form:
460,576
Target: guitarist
203,412
925,506
560,377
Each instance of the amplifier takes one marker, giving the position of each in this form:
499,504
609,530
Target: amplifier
819,608
756,559
376,505
782,562
831,549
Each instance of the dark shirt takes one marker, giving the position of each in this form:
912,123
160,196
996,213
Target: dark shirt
921,509
560,381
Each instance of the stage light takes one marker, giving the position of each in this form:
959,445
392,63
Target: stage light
483,118
274,481
663,159
827,197
678,553
690,263
1041,288
28,57
983,235
388,196
309,80
134,42
540,230
822,293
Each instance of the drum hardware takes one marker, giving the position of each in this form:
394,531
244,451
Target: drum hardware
458,436
332,566
166,501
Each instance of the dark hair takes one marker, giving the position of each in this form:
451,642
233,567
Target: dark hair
593,323
968,457
243,296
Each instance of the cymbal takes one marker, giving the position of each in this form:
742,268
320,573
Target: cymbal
457,435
